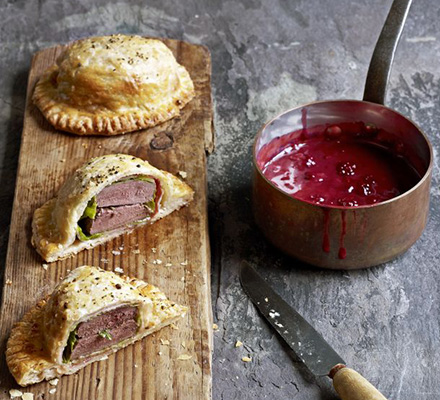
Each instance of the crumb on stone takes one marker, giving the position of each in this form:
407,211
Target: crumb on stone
215,327
246,359
238,343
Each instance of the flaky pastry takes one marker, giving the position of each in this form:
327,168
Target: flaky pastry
90,314
106,197
110,85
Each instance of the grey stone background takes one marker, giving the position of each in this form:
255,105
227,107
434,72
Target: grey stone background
268,56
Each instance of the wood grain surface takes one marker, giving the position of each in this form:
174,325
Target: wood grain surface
172,254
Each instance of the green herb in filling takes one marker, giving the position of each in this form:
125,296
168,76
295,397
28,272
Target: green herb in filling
71,343
90,211
83,237
151,205
105,334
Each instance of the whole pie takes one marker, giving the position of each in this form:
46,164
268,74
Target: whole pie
90,314
115,84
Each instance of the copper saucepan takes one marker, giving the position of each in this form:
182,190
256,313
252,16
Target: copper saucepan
367,235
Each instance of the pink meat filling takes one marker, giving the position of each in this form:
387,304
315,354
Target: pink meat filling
124,193
118,324
115,217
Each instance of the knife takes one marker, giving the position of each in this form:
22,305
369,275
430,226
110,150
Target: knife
318,356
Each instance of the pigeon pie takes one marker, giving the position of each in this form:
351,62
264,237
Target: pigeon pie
110,85
106,197
91,314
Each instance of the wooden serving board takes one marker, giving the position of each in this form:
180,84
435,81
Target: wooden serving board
172,254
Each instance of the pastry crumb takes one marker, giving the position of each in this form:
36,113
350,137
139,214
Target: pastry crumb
164,342
116,252
175,327
54,382
158,261
238,343
160,353
246,359
135,365
104,260
136,251
215,327
15,393
168,265
182,279
266,299
63,160
184,262
184,357
45,266
119,270
103,358
154,250
84,145
27,396
8,282
52,391
183,174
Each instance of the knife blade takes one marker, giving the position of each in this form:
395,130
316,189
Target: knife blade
310,347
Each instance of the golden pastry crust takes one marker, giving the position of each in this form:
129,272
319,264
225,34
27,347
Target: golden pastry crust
54,225
109,85
35,346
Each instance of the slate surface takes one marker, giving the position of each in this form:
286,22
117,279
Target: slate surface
269,56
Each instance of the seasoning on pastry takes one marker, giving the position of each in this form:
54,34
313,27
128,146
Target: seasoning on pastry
90,314
109,85
106,197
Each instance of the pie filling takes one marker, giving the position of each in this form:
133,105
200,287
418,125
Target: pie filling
100,332
125,202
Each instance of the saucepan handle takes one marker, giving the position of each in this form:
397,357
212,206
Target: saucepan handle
383,55
350,385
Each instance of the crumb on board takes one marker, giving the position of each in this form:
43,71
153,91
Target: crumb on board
184,263
27,396
15,393
157,262
183,174
154,250
175,327
238,343
104,260
183,344
184,357
160,353
116,252
136,251
246,359
84,145
168,264
45,266
119,270
54,382
8,282
215,327
52,391
164,342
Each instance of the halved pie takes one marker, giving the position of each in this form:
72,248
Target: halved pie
109,85
90,314
106,197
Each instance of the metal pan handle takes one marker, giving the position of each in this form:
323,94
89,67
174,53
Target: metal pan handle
383,55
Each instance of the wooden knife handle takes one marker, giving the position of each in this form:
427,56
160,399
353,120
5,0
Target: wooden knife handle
350,385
